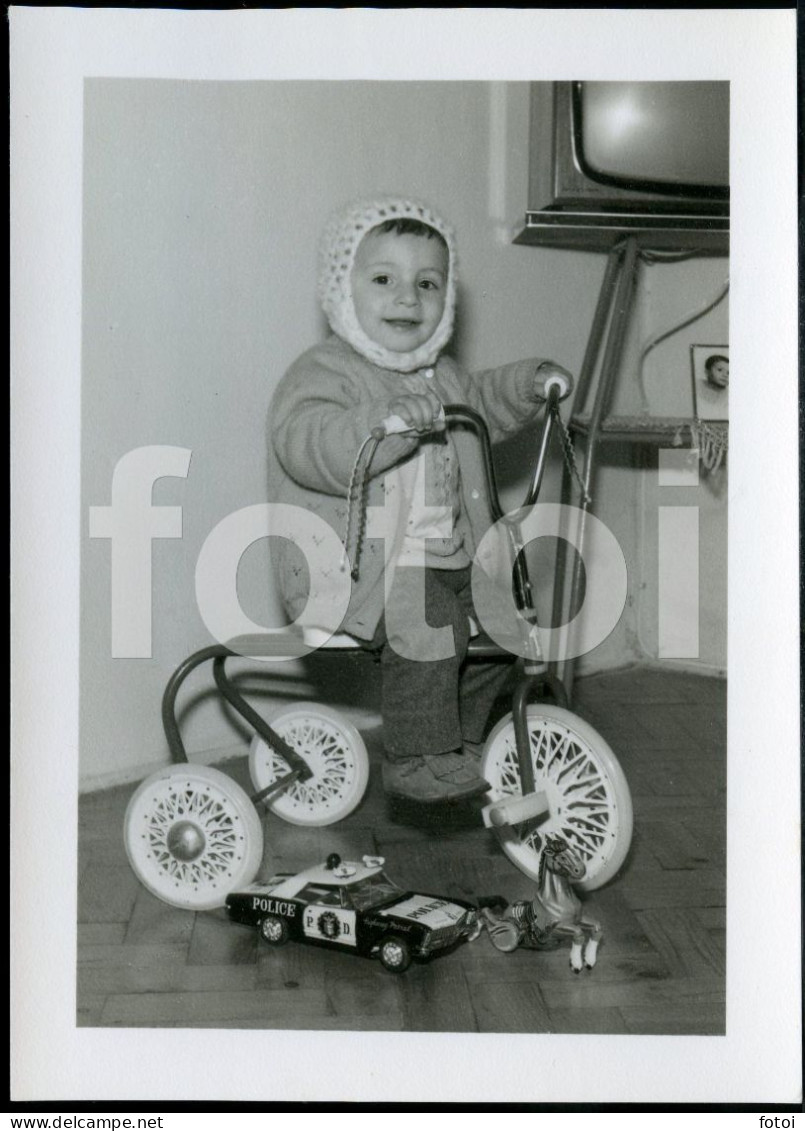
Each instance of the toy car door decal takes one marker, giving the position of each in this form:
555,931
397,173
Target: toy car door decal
336,924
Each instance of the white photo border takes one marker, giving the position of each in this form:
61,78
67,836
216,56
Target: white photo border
52,51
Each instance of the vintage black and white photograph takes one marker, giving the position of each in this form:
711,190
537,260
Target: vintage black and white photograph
405,636
587,901
710,371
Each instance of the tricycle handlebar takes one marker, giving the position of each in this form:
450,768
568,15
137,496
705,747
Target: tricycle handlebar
555,387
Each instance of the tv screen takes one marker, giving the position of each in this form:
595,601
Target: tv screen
645,159
672,135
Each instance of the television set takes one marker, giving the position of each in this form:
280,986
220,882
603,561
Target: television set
611,159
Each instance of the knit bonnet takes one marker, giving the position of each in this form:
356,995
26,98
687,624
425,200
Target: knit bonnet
339,244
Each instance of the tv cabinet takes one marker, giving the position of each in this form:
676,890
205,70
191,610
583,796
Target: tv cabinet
587,230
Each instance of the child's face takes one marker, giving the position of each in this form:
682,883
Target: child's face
399,287
718,374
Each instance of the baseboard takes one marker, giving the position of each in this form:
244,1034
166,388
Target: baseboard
689,667
678,667
362,718
95,782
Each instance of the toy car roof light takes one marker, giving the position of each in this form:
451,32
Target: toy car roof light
344,869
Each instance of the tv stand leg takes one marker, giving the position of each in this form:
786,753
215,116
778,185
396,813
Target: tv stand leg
615,305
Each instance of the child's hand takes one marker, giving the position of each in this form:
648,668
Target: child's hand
419,410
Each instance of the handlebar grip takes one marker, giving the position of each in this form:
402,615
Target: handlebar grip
558,382
395,424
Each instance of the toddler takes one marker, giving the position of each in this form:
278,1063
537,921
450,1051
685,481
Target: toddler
387,284
717,371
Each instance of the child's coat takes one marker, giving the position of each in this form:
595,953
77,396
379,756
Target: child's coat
323,409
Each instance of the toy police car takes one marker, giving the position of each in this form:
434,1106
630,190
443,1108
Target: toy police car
354,906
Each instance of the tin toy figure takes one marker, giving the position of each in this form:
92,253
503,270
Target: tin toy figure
554,913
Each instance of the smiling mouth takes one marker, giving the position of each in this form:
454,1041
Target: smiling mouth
401,323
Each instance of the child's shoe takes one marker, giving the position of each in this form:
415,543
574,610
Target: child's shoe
473,752
431,778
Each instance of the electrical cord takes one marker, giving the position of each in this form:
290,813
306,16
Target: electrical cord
654,341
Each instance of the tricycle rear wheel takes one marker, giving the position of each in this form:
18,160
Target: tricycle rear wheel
335,753
192,836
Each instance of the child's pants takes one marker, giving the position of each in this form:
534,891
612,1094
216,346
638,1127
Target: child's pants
431,705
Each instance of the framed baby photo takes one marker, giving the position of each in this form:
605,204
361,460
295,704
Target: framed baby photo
710,366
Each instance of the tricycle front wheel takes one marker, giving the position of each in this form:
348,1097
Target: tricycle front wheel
589,803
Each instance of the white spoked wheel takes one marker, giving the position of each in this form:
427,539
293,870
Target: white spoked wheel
192,836
589,803
335,752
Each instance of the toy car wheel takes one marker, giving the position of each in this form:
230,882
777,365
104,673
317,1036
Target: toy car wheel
504,935
192,835
395,954
274,930
334,751
588,797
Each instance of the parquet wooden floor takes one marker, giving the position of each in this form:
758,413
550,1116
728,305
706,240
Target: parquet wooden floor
661,965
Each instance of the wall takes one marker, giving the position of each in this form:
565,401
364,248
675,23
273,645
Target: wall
203,203
627,491
674,292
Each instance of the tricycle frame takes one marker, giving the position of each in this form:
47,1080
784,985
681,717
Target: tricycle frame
535,679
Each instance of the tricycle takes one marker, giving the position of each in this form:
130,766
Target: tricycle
193,835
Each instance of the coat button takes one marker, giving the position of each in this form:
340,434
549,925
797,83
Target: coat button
475,493
428,372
